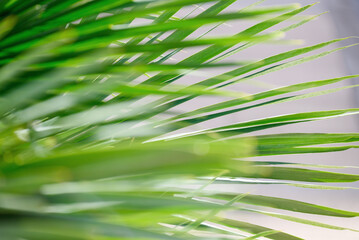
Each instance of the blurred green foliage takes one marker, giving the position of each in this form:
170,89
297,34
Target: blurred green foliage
88,132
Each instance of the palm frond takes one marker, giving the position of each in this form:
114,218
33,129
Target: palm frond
89,124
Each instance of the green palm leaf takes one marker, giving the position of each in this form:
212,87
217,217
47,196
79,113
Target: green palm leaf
89,124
